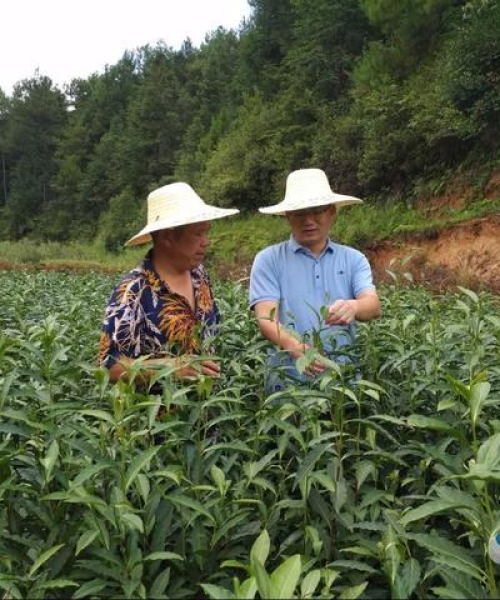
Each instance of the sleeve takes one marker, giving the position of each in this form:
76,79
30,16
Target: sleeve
120,332
264,281
362,279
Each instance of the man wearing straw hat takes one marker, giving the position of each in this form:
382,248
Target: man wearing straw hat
297,282
164,310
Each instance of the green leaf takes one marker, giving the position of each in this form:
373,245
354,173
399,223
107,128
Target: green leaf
364,469
353,592
44,557
353,564
284,579
310,583
442,547
429,508
90,589
488,455
134,521
57,584
181,500
472,295
90,472
138,463
215,591
478,395
168,474
252,469
407,579
324,480
423,422
307,465
218,478
160,584
260,549
164,556
98,414
391,553
50,459
85,540
247,589
263,580
460,585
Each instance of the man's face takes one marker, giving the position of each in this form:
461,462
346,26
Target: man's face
311,227
187,245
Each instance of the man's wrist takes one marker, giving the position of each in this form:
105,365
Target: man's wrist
295,348
354,306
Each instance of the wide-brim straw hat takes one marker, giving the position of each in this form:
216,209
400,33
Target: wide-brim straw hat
174,205
307,188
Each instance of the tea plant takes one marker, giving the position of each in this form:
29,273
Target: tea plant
382,484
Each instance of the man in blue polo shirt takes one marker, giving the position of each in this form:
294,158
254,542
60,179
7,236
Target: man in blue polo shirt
309,286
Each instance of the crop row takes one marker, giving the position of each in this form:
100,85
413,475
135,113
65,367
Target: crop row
384,485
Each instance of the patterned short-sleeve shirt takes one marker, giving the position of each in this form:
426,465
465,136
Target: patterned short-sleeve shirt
145,317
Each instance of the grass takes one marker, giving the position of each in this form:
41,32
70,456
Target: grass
236,241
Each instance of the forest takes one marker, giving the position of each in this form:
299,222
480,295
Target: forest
389,97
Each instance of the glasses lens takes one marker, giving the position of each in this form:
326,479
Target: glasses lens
312,212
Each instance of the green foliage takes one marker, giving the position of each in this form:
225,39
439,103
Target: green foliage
120,221
474,67
345,488
32,124
384,95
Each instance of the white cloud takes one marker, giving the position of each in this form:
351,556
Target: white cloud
69,38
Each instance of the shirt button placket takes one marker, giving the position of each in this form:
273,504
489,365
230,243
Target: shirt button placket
317,275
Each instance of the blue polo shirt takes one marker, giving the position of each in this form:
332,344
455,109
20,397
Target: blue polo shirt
303,283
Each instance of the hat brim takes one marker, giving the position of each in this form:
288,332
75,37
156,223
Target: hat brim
212,214
289,206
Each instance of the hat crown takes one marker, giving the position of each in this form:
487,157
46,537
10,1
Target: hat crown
170,199
175,205
306,184
308,188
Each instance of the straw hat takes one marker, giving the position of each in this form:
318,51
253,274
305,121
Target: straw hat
174,205
307,188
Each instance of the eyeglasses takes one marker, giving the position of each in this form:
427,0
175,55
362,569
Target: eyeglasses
312,212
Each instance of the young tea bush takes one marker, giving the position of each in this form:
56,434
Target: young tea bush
375,485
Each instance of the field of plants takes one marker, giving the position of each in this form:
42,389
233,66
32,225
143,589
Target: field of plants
383,486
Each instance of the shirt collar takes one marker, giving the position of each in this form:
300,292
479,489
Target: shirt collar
147,265
295,246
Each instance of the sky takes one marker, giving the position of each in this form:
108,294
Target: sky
67,38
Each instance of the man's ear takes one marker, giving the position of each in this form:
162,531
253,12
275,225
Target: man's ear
161,238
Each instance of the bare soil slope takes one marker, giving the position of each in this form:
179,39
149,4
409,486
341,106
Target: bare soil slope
467,254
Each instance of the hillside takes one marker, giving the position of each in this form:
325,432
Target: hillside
393,99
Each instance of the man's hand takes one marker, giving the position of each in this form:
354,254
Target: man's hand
315,367
190,370
342,312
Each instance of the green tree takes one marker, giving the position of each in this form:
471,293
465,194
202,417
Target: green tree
157,118
120,221
328,37
4,167
473,80
89,155
37,116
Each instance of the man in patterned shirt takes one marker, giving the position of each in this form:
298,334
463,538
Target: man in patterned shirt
164,310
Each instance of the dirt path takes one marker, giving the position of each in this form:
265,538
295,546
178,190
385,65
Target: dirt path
466,254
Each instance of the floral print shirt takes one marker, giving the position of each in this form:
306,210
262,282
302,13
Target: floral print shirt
145,318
